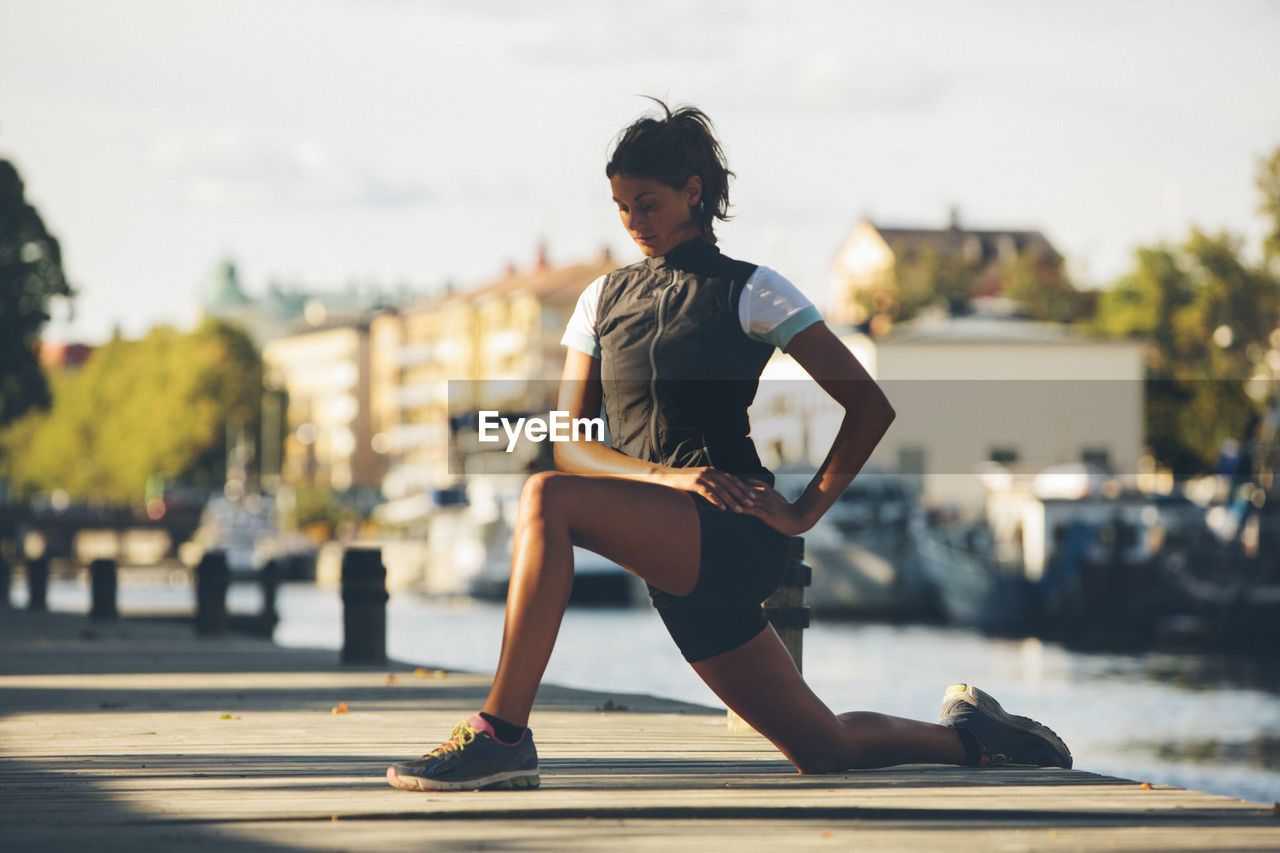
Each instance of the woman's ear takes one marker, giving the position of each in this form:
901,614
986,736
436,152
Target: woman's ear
693,190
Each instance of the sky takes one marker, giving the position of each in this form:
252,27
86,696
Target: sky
322,143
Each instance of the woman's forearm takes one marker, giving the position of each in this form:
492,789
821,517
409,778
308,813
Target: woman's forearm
864,424
593,459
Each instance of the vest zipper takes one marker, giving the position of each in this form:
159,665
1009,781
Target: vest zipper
653,367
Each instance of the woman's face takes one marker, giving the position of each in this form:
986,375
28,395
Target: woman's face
656,216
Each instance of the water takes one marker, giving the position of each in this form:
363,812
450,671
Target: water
1205,722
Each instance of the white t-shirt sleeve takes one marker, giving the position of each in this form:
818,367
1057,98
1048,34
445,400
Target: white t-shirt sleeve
580,332
773,309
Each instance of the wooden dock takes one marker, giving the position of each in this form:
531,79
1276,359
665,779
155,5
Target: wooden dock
137,735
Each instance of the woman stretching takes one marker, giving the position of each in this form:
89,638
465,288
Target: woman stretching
673,347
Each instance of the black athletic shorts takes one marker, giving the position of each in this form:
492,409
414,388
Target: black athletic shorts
743,561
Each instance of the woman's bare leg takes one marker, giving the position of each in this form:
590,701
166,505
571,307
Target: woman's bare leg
654,532
760,682
651,530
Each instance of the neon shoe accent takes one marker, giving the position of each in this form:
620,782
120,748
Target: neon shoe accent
471,759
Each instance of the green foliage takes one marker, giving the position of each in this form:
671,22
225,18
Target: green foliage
1210,318
1142,303
30,278
320,505
1268,183
1038,284
157,406
1033,279
923,278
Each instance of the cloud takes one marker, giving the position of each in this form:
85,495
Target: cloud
232,167
832,84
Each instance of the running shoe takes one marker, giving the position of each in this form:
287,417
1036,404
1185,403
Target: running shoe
1004,739
471,759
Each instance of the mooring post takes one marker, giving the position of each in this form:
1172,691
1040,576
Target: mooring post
785,609
270,579
38,583
787,612
212,579
102,580
364,606
5,575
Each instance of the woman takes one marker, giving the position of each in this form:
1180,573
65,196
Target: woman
673,347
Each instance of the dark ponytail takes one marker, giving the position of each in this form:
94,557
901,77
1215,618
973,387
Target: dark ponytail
672,149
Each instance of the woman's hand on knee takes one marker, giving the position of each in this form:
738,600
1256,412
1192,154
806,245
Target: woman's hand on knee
721,488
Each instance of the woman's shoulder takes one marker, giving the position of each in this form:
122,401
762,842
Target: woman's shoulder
767,283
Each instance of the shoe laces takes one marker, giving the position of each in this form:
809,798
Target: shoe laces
462,735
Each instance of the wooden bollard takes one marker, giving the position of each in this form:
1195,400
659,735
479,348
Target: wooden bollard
787,613
102,580
5,576
364,606
38,583
785,609
212,579
270,579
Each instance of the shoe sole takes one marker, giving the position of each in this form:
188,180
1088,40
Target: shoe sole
513,779
989,706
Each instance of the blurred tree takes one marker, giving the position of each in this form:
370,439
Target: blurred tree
1033,279
138,409
321,505
1037,283
1268,183
928,276
923,277
1143,303
30,277
1210,317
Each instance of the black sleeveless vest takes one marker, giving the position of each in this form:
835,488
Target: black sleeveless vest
677,370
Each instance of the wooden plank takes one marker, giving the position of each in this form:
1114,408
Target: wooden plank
116,737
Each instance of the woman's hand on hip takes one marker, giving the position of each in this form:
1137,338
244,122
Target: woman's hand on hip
774,510
721,488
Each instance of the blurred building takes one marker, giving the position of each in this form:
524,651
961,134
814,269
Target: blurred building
864,270
61,354
976,396
497,346
330,430
282,309
999,395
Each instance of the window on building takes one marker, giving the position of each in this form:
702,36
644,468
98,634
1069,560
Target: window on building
911,465
1006,456
1096,457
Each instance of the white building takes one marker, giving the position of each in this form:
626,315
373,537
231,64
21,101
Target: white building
971,391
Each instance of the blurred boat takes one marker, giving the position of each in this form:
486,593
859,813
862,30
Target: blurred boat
864,554
1094,567
972,589
246,530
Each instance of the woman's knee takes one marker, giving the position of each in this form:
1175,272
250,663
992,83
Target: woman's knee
541,496
856,742
822,754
